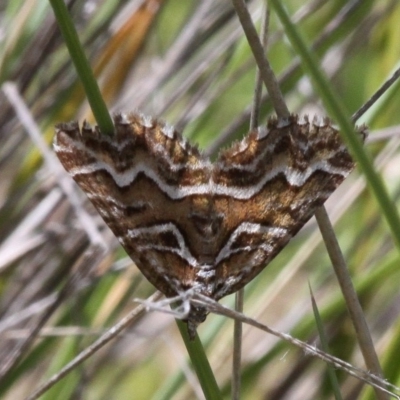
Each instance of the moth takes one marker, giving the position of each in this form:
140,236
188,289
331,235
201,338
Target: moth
188,222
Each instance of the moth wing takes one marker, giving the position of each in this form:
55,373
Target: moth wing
277,177
136,180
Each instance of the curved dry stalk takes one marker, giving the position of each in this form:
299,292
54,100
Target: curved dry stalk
111,334
358,318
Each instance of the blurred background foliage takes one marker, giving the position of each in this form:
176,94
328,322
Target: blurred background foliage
188,63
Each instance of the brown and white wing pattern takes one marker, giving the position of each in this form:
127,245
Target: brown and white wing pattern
190,223
274,180
141,181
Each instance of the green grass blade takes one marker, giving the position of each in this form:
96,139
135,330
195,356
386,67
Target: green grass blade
334,105
200,364
82,67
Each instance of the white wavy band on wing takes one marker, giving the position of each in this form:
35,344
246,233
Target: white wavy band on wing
293,176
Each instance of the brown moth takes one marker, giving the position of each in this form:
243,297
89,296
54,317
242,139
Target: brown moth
188,222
